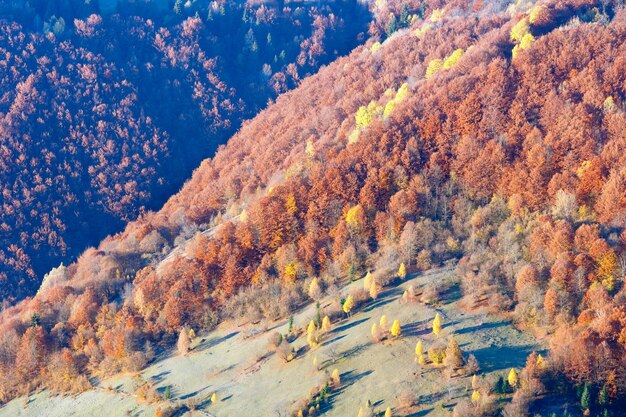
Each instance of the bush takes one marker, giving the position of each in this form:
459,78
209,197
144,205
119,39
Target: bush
437,355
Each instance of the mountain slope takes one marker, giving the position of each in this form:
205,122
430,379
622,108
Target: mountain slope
486,135
105,116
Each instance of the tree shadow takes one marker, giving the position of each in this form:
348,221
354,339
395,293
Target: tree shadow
384,298
160,376
334,339
207,344
348,379
483,326
494,358
451,294
348,326
420,413
193,394
353,350
417,328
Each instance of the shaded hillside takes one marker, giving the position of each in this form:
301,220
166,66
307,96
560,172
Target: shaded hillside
102,117
482,133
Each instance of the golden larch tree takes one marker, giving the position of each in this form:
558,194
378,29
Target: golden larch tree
384,323
402,271
367,281
395,329
348,304
419,349
326,324
374,290
513,378
437,324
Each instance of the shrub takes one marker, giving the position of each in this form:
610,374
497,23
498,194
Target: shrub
437,355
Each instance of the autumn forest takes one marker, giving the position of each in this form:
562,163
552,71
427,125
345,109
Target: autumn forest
223,162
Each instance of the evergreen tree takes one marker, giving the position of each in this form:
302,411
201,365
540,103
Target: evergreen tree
392,25
603,396
404,17
585,398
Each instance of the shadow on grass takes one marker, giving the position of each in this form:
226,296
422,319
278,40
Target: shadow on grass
417,328
194,393
348,379
484,326
348,326
420,413
160,376
451,294
496,358
207,344
384,298
334,339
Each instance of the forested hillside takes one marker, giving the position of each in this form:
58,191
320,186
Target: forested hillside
106,111
485,134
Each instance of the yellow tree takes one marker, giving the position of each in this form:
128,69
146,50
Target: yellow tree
384,323
513,378
475,396
421,359
314,289
541,363
367,281
348,304
402,271
375,332
355,217
388,412
419,349
395,329
437,324
214,398
311,334
335,377
326,325
374,290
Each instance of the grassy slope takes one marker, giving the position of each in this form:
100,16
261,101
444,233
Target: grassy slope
227,361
